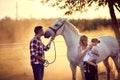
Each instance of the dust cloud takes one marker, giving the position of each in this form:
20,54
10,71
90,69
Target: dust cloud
15,59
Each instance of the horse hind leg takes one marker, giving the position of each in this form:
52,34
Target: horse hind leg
106,63
116,62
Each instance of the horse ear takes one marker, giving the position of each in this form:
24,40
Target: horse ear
60,18
64,19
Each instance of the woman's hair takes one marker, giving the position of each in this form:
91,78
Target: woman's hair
83,38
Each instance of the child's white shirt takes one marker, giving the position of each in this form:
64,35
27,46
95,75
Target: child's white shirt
90,55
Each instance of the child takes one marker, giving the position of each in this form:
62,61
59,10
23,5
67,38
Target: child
93,53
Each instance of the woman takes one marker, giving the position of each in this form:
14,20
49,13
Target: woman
83,46
90,71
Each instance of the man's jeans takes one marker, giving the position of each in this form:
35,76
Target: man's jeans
38,71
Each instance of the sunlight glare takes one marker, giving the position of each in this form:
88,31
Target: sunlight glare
35,9
43,11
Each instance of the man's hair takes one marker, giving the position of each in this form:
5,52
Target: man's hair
37,29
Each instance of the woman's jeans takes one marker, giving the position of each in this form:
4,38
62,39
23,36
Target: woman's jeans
38,71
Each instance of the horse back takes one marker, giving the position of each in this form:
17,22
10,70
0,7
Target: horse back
108,47
110,42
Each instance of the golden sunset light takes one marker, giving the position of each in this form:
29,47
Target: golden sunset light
35,9
18,18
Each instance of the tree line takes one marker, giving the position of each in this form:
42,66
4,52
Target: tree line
18,30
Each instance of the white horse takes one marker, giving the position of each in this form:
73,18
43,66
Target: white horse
107,48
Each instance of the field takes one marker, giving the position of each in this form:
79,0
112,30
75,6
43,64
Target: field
15,62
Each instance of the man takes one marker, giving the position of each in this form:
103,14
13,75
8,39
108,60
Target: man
37,49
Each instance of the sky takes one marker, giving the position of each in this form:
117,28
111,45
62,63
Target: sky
34,9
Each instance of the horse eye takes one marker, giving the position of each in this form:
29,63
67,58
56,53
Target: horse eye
56,25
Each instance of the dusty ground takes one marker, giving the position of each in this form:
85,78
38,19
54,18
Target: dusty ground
15,64
21,70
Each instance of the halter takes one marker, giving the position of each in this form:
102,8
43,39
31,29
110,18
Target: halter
55,30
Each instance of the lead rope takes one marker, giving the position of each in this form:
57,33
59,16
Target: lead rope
46,64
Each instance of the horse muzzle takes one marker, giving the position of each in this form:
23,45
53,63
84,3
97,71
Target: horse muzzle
47,34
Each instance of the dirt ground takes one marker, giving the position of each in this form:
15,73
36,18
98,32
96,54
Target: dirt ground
15,65
21,70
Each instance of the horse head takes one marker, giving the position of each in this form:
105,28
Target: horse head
55,29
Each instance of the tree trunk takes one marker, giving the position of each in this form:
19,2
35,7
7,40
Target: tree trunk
115,28
114,21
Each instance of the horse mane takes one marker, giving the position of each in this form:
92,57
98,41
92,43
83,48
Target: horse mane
73,28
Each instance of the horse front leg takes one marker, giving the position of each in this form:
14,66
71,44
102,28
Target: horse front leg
107,68
73,69
82,72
